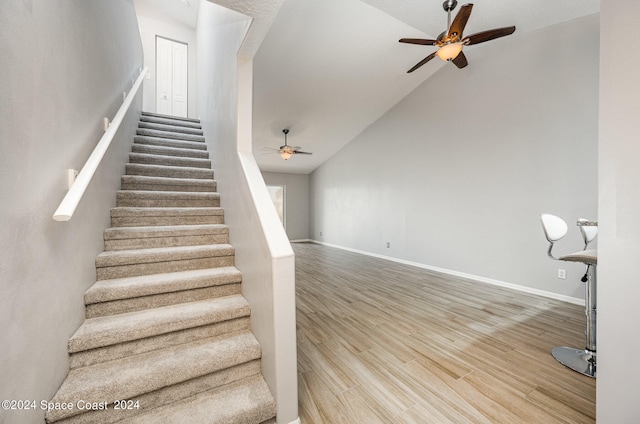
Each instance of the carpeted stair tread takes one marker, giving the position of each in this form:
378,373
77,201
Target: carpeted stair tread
161,254
168,121
118,212
150,216
148,285
169,160
169,117
120,233
146,194
121,328
169,151
133,376
145,182
169,134
146,198
168,171
123,238
247,401
169,127
168,142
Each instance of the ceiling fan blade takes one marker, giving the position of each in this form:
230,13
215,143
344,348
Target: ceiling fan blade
298,152
295,147
460,61
481,37
420,41
459,22
422,62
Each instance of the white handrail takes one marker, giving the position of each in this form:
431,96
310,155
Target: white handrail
76,191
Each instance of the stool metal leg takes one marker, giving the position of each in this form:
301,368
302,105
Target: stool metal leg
583,360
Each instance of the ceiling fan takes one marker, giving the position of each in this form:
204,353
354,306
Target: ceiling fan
287,151
450,42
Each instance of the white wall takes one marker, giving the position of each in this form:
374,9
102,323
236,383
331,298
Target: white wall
296,202
152,22
456,175
263,253
619,226
64,66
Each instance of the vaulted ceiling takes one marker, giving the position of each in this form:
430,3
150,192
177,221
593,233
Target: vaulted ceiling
327,69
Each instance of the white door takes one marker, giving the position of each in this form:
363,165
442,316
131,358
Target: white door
171,77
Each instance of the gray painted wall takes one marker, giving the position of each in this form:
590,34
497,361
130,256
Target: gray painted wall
456,175
296,202
64,66
619,226
262,251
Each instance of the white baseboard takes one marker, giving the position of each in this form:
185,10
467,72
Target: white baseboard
296,421
543,293
301,241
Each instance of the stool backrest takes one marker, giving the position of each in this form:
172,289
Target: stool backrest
589,232
554,227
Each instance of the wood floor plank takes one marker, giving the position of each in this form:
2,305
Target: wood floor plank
382,342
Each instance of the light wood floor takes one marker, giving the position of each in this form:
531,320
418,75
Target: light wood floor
381,342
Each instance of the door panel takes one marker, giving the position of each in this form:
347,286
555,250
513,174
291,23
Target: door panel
179,94
164,73
171,77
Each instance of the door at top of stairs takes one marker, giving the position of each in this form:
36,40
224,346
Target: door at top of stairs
171,77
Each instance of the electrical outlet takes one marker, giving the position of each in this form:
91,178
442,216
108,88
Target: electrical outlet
562,274
388,245
320,233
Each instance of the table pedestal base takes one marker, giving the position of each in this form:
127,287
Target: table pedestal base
580,360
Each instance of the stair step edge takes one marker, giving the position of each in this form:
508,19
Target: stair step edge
133,376
169,171
169,127
128,211
246,401
148,285
110,330
181,161
175,122
166,122
169,151
176,118
163,195
169,134
161,254
168,142
125,233
147,179
171,394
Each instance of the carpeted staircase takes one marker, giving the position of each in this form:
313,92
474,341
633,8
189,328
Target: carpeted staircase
167,336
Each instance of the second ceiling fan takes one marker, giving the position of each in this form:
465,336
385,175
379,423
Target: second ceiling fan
285,151
450,42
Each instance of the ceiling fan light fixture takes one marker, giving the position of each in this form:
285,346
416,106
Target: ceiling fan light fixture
449,51
285,155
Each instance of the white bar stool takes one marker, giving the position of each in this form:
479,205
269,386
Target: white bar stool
580,360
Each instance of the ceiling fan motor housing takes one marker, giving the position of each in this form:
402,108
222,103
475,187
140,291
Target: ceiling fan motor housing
449,5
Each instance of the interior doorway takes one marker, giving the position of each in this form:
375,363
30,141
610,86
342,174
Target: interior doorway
277,194
171,77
